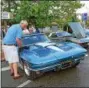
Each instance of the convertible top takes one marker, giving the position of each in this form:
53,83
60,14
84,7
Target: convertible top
77,29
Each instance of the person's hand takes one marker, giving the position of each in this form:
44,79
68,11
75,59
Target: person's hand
19,42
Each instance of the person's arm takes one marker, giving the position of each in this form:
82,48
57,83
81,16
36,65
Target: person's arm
19,42
18,38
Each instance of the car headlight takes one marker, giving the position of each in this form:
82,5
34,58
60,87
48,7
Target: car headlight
86,55
76,60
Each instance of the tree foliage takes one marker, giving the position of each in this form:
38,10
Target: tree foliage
43,13
7,5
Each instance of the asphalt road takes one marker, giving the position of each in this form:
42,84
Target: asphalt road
74,77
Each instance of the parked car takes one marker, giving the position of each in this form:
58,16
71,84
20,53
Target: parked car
59,36
39,55
78,34
87,32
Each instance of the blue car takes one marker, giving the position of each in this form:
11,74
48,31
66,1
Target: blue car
59,36
87,32
73,32
39,55
79,34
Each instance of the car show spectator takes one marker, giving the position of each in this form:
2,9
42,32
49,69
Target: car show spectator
26,31
37,30
11,43
30,30
2,34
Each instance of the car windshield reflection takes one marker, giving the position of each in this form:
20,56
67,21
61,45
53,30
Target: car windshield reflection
35,38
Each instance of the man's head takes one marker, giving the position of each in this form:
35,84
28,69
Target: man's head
23,24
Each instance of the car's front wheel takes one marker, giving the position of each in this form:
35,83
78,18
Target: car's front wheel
29,73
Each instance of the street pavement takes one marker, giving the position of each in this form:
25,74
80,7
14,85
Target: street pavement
73,77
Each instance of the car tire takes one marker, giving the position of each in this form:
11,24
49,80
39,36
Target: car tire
29,73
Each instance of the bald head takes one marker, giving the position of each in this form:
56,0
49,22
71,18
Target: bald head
23,24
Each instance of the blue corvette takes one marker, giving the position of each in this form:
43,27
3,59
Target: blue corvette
74,32
79,34
39,55
59,36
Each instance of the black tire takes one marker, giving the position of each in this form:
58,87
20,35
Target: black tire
29,74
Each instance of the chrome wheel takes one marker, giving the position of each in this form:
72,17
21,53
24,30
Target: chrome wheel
26,70
29,73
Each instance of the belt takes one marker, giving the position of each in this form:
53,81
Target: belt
10,44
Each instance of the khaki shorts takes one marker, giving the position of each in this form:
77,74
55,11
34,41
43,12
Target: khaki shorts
11,53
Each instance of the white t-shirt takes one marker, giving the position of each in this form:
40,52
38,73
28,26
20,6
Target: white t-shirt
25,31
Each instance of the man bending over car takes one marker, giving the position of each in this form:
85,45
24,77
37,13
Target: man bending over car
11,40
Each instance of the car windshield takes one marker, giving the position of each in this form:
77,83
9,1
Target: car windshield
62,34
34,38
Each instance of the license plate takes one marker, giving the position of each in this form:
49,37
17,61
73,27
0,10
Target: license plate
66,64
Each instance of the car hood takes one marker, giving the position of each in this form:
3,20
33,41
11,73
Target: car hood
49,52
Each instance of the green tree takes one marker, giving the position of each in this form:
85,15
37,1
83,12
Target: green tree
43,13
35,12
7,5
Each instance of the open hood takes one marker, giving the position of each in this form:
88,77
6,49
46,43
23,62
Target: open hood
77,29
